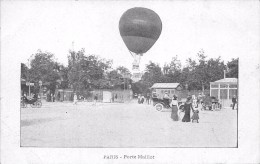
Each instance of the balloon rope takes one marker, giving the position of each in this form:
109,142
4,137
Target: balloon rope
132,54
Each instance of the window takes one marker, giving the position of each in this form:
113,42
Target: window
162,91
214,92
232,92
232,86
214,85
172,91
223,85
223,94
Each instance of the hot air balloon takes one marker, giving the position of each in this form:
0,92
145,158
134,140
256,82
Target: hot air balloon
139,28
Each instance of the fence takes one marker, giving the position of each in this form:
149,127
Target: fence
116,95
64,95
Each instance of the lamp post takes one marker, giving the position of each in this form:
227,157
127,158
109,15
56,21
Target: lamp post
40,84
186,87
125,77
28,78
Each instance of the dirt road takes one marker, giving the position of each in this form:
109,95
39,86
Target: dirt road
123,125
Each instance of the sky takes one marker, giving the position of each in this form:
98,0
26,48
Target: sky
219,28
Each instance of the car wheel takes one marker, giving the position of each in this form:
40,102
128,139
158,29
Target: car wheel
38,104
23,105
33,105
159,107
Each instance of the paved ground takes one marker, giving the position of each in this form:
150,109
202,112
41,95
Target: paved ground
122,125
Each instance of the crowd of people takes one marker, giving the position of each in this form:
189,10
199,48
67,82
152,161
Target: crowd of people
141,98
190,108
190,104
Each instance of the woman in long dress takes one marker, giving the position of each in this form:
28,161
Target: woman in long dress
187,108
175,108
194,101
75,99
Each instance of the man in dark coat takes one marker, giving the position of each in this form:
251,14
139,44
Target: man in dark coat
234,101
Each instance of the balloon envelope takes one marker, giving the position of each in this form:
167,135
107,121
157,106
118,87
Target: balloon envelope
139,29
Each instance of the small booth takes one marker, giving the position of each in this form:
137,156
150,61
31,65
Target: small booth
171,88
224,90
27,87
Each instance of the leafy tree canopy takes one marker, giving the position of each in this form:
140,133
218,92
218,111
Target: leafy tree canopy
87,72
232,68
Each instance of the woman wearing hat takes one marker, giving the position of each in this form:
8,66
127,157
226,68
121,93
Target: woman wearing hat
187,108
175,108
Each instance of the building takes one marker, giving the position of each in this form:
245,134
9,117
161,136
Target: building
171,88
27,87
224,90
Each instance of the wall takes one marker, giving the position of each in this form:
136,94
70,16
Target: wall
117,95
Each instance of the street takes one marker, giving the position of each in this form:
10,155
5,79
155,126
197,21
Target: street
122,125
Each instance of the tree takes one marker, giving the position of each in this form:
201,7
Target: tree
123,70
153,74
64,80
24,71
175,64
173,73
187,76
232,68
215,69
140,87
201,71
115,79
125,76
75,73
166,69
87,72
199,75
44,68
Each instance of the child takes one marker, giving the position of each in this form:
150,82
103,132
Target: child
195,116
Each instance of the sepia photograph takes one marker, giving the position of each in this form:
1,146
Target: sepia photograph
156,97
127,74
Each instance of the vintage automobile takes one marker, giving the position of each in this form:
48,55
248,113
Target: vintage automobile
35,102
161,104
210,103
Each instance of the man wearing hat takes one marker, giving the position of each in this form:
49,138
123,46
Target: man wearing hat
166,98
166,95
234,101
